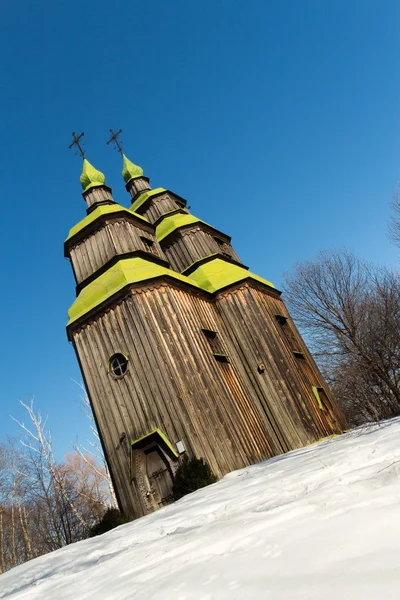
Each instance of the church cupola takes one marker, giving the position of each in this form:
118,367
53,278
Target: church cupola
135,181
90,176
130,170
93,182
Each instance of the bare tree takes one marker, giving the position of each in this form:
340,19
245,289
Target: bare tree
44,503
394,222
96,450
350,313
15,535
39,443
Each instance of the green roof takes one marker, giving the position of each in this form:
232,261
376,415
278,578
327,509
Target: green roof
103,209
210,277
126,271
157,432
91,177
130,170
175,221
218,273
143,197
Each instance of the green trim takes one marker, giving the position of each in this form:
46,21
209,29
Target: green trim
173,222
90,176
100,203
210,277
175,211
201,261
218,273
130,170
123,273
144,197
104,209
122,256
315,390
162,436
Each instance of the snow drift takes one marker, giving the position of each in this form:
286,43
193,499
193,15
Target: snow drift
320,522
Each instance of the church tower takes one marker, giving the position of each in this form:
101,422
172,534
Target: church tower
182,348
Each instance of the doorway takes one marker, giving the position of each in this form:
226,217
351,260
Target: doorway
154,462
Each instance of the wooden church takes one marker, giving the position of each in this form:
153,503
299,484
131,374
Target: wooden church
182,348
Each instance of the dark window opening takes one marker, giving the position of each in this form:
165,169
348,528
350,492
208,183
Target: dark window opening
289,334
220,357
147,242
300,355
209,333
215,344
224,247
281,319
118,365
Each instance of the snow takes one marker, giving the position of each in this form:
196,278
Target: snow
322,522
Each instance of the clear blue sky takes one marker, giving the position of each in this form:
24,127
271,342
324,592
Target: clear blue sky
278,121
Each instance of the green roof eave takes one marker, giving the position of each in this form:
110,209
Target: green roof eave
145,196
159,433
101,210
217,273
175,221
123,273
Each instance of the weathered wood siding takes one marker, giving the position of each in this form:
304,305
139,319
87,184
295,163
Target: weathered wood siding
117,236
159,206
98,194
286,384
228,413
173,383
136,186
222,374
186,246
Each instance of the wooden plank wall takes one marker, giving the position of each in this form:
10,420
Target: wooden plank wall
136,186
159,206
226,412
173,383
98,194
286,384
117,236
186,246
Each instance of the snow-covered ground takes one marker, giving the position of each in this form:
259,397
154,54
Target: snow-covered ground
319,523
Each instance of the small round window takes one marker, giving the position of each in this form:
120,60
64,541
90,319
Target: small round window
118,365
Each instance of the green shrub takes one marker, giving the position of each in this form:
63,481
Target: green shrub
111,518
192,474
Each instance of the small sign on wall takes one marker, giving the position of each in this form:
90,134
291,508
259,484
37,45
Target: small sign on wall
180,447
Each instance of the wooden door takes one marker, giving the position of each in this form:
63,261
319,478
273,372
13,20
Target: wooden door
159,476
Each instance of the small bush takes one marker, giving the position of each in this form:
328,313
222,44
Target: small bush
192,474
111,518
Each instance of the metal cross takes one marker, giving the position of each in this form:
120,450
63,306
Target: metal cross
77,143
115,140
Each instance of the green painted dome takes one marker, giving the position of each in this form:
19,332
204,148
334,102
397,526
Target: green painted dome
91,177
129,170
